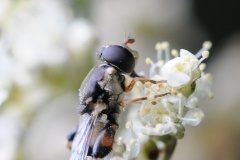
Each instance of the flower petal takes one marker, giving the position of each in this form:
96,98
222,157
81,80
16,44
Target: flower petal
178,79
193,117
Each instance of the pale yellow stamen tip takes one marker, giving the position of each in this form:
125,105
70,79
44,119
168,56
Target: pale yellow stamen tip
153,102
148,84
180,95
164,85
173,91
148,61
160,63
207,45
133,141
165,45
202,66
128,125
158,46
174,53
211,95
147,92
157,88
145,111
194,100
196,115
151,97
179,67
187,58
194,61
209,76
139,84
205,54
120,140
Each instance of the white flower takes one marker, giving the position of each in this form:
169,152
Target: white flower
181,70
203,86
193,117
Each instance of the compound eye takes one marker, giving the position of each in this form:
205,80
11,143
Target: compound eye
119,57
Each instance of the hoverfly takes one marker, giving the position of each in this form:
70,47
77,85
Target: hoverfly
101,97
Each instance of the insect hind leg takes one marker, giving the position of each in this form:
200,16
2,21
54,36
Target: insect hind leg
104,142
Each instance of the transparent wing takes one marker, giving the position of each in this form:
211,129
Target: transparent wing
83,136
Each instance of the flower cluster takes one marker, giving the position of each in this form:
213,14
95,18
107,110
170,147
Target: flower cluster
174,102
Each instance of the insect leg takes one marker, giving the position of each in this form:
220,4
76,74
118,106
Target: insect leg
143,80
124,104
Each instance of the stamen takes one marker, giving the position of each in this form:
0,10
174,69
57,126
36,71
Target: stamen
148,61
157,88
151,97
202,66
194,101
180,95
158,46
207,45
179,67
194,61
160,63
120,140
211,95
133,141
148,84
139,84
196,115
147,92
128,125
208,75
174,53
145,111
165,45
153,102
205,54
187,58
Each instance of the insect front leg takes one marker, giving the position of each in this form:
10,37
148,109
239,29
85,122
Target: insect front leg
124,104
143,80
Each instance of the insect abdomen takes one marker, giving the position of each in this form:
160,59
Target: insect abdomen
104,142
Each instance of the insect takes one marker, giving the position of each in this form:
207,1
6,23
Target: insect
101,98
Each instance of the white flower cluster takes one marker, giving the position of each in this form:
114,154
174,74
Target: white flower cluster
174,102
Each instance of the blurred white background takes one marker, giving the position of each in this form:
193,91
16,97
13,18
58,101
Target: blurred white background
48,47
